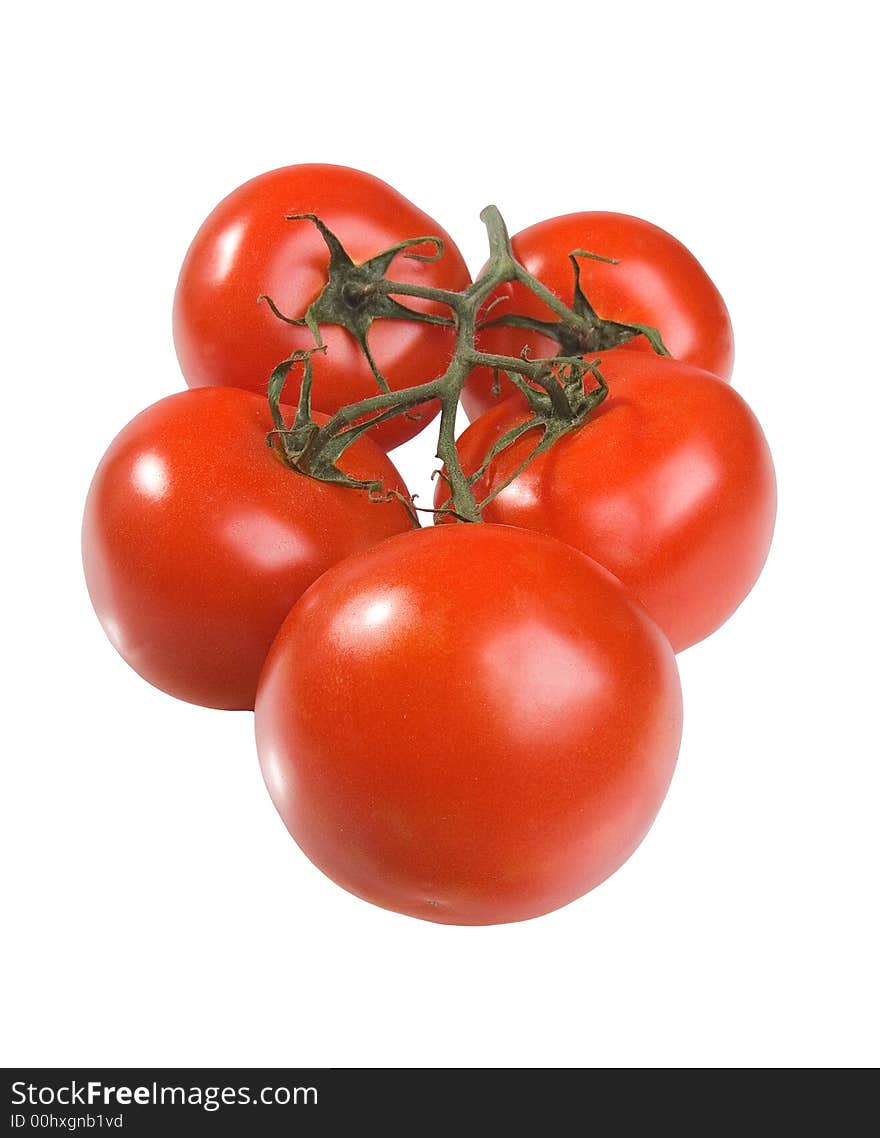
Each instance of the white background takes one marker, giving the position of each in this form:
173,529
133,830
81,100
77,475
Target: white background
156,910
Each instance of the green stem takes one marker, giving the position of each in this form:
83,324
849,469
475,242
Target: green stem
355,295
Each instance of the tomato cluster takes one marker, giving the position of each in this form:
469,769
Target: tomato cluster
477,721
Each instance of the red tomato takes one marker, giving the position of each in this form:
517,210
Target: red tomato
657,282
669,484
197,539
469,724
246,248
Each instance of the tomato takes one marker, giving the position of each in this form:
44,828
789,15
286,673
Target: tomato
197,539
657,282
470,724
669,484
246,248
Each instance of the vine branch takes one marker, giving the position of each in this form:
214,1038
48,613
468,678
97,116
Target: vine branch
355,295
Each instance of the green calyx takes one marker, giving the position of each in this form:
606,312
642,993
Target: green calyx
583,331
353,298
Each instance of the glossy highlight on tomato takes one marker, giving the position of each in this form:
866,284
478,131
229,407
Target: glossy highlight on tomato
469,724
657,281
669,484
197,539
246,248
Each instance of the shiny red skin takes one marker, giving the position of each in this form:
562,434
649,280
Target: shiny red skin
657,282
469,724
197,540
669,484
246,248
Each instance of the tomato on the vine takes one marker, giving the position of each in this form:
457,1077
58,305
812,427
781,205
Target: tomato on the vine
470,724
657,282
669,484
197,539
246,248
